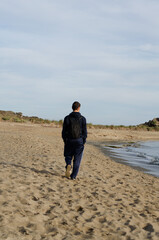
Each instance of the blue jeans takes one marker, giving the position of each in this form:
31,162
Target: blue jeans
74,148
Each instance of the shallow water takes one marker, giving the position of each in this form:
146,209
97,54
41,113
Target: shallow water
144,155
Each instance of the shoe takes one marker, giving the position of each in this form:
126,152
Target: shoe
73,178
68,171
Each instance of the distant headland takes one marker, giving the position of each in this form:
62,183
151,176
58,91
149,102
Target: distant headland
10,116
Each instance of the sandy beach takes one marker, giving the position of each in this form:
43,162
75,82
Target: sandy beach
109,200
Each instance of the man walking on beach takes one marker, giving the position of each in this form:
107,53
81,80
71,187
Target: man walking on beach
74,134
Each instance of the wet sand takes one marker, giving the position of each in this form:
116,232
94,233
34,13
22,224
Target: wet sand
109,200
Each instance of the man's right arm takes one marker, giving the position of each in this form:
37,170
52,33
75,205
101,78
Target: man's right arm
84,130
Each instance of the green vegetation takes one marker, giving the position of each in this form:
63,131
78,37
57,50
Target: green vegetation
6,118
98,126
152,125
19,118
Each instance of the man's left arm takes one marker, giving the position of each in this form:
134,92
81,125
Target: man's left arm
64,130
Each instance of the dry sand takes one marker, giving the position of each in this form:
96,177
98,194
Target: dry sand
108,200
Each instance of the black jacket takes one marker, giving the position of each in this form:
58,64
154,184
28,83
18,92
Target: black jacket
83,125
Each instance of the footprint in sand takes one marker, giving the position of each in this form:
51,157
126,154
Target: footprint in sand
80,210
102,220
1,218
93,207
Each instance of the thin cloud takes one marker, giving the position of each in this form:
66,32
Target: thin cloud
99,52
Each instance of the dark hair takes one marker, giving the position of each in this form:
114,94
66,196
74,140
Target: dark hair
75,105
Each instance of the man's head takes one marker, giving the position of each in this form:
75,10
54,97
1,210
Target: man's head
76,106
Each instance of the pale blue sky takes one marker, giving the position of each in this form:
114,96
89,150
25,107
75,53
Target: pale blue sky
102,53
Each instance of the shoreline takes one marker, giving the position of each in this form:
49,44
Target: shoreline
111,154
108,201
